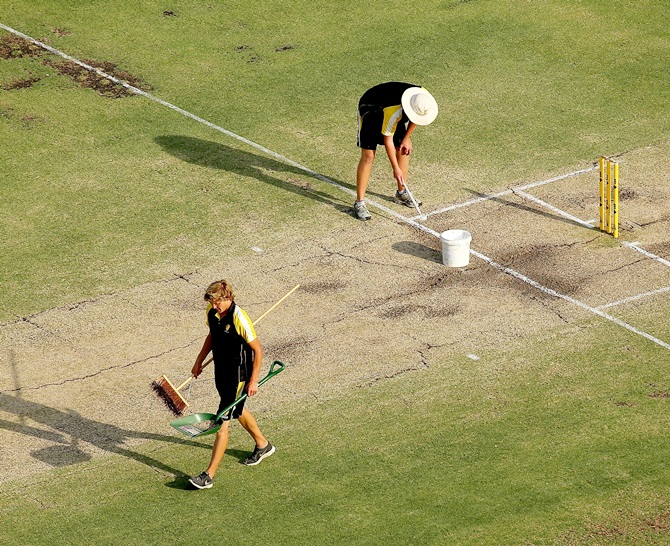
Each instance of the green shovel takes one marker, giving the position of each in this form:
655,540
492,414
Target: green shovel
202,424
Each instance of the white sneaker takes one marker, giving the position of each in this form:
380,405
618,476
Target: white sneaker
362,212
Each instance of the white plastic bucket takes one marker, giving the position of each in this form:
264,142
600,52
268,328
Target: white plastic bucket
455,247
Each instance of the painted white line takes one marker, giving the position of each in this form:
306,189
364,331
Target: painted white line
646,253
575,302
507,192
379,206
556,178
553,208
634,298
468,203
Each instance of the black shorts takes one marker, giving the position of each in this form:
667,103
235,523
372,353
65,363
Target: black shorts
370,130
230,387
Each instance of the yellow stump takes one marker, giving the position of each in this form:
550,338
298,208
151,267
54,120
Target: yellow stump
602,194
609,196
615,201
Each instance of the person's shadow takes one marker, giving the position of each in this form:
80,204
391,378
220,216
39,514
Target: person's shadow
219,156
68,430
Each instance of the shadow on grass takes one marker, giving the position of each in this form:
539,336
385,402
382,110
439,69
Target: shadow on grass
68,430
181,482
214,155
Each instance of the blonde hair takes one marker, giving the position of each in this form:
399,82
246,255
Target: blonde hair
219,290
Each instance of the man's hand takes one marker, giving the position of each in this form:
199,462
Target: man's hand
197,369
252,387
406,146
399,176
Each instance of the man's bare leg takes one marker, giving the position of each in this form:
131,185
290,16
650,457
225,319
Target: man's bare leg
363,173
219,449
403,163
248,421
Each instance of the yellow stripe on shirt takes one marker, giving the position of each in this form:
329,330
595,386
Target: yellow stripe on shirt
392,115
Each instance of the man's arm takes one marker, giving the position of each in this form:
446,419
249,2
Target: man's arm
252,385
406,144
206,348
390,152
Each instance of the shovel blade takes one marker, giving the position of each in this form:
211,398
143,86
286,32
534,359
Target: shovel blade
198,424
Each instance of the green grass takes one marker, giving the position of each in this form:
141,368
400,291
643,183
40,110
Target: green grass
511,449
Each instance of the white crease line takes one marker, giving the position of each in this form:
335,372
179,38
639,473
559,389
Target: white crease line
646,253
634,298
511,190
578,303
410,221
553,208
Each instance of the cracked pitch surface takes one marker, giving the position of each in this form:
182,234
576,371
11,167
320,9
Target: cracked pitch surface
374,305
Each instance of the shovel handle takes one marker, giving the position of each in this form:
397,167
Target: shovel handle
273,372
270,375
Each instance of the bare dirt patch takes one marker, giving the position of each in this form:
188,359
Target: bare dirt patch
99,83
23,83
61,32
320,287
660,394
660,523
629,530
14,47
395,312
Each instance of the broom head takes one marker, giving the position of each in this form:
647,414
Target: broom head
170,395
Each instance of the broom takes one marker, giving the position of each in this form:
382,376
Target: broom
171,395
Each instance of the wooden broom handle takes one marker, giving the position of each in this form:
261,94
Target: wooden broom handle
209,360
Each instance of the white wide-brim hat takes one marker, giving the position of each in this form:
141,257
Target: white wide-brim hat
419,105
